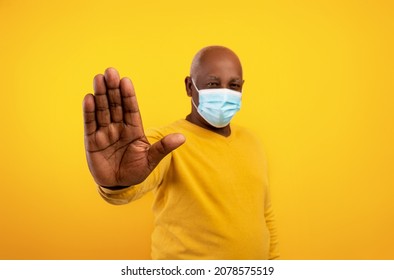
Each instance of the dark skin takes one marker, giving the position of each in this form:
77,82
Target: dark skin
117,150
213,67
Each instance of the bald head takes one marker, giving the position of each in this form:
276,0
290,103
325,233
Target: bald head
210,55
213,67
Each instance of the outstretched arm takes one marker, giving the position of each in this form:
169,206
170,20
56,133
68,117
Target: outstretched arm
117,150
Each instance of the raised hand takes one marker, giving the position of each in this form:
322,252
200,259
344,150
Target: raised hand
117,151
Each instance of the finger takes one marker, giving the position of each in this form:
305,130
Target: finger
101,101
112,82
89,114
131,112
163,147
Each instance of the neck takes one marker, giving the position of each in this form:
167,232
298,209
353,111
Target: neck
224,131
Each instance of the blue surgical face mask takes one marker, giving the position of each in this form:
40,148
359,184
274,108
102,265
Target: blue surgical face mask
218,105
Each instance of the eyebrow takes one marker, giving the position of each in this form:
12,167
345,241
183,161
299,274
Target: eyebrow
217,78
236,80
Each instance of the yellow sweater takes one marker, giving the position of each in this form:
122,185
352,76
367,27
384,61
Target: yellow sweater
211,197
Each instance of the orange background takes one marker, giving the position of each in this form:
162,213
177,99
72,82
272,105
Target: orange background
319,93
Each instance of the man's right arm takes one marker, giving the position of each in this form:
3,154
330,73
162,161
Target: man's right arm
124,195
117,151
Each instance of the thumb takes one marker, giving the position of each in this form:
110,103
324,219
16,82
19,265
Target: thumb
163,147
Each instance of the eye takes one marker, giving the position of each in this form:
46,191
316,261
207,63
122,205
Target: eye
213,84
235,86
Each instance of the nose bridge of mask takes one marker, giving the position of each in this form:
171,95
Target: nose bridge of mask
214,99
215,90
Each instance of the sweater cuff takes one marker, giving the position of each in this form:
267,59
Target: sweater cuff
117,196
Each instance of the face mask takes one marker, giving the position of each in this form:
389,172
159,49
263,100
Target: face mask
218,105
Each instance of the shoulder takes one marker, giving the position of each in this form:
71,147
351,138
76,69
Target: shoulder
245,133
248,139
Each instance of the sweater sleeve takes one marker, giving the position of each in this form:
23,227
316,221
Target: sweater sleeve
271,225
124,196
270,220
270,217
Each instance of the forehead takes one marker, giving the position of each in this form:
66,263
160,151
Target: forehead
220,64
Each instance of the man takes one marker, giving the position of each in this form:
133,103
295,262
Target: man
209,178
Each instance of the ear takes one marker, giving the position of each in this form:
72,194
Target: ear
188,86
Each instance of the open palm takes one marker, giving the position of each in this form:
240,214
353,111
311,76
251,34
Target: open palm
117,150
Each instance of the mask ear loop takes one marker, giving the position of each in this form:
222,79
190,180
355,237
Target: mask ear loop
194,104
194,84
